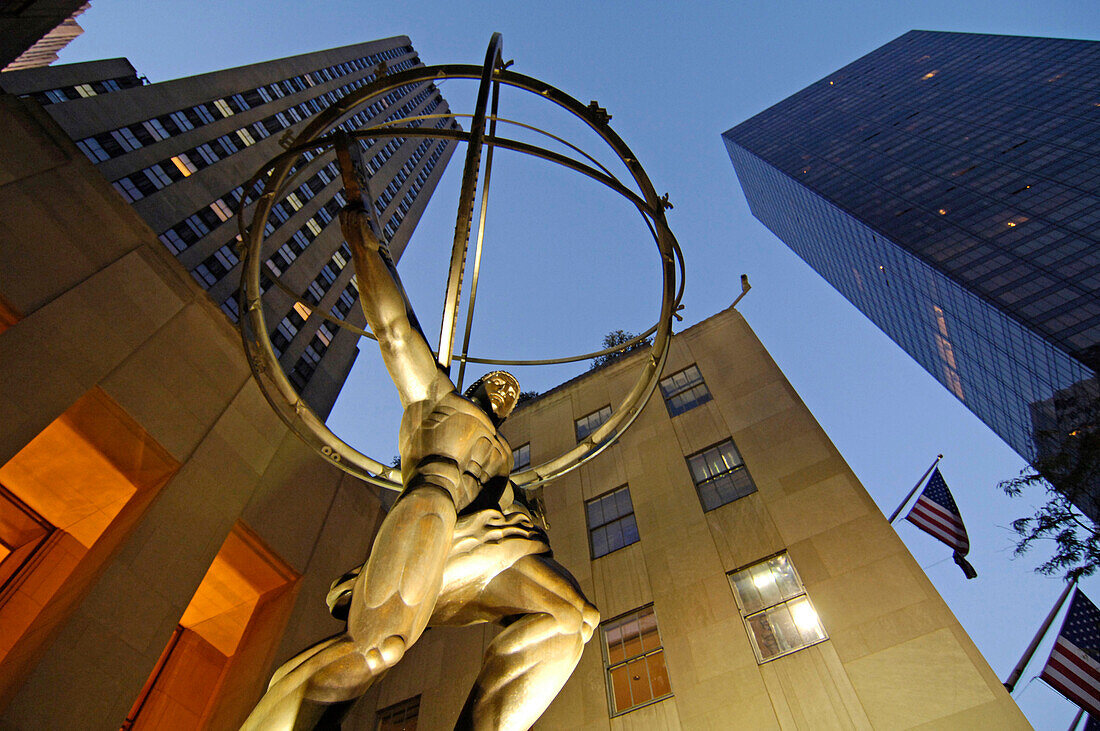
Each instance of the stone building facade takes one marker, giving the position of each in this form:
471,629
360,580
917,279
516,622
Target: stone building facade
744,576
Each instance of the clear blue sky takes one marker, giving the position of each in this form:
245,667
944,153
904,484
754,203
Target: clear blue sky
566,262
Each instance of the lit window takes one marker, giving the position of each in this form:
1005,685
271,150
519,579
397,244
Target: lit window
85,90
588,424
634,660
684,390
400,716
776,610
223,107
521,457
294,201
720,475
184,164
611,522
221,210
302,310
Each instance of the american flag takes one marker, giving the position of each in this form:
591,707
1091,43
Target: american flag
935,513
1074,665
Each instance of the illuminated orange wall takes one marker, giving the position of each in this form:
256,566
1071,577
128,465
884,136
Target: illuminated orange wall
90,473
214,667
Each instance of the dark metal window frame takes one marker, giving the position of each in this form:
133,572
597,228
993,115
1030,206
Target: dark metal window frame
389,713
745,617
516,453
590,429
700,398
736,469
593,528
608,667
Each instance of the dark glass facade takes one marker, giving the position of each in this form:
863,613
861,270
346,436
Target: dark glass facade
948,185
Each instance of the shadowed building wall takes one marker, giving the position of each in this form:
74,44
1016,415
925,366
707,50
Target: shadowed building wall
132,441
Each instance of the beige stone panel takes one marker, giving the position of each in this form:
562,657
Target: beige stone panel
873,591
177,384
95,698
54,355
590,395
743,532
920,681
814,473
621,581
295,498
858,542
809,689
344,541
834,502
555,434
770,400
857,640
999,714
54,208
736,699
660,715
719,648
603,474
684,609
700,428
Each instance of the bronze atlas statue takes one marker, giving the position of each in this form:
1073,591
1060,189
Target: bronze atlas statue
459,546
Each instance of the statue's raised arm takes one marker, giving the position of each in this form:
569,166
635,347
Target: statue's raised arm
405,349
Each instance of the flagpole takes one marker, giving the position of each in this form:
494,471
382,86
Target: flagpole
915,488
1017,671
1077,719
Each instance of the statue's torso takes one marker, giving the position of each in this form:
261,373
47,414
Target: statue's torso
455,428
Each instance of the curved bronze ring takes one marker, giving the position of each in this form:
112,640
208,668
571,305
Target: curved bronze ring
274,384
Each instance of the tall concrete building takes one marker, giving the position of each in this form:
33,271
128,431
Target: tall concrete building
948,185
182,152
165,541
33,31
744,577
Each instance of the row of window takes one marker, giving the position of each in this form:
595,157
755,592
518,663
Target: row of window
115,143
773,604
720,477
777,614
83,91
147,181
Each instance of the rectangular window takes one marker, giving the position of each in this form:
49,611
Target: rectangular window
684,391
634,660
611,523
521,457
720,475
588,424
400,716
777,613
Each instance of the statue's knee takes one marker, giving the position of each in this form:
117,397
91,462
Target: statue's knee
578,617
387,654
590,618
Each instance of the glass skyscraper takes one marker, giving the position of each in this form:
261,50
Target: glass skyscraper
948,185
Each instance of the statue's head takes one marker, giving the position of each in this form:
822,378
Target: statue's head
496,392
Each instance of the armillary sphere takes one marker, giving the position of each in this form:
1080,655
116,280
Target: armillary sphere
323,133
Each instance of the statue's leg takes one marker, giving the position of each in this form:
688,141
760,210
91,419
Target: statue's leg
529,662
393,598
